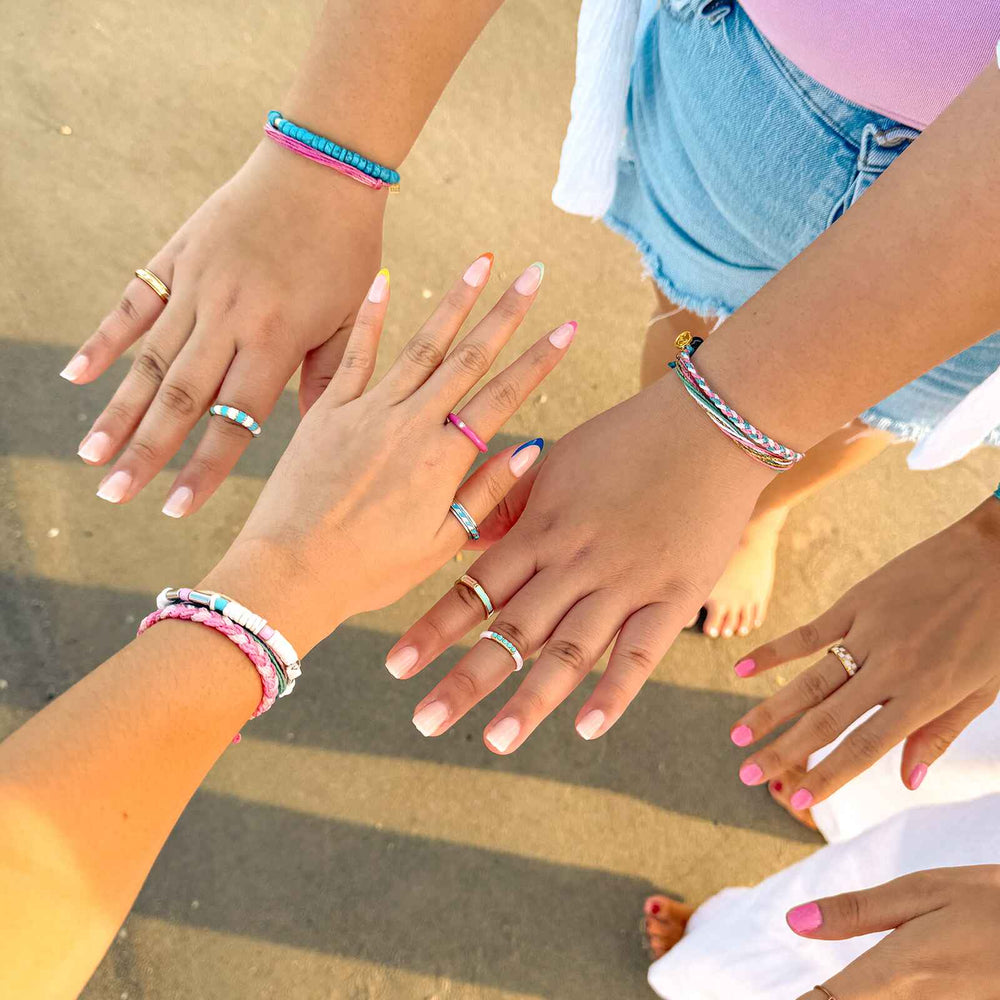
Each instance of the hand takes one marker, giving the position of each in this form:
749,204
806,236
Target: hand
945,924
268,272
629,523
357,511
924,631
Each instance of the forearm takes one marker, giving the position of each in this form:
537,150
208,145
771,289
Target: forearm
907,278
376,68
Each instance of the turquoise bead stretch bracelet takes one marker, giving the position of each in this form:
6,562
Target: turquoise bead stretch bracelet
328,147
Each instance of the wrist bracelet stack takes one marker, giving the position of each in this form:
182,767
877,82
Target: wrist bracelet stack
748,438
273,656
329,153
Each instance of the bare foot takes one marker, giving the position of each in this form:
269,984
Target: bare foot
738,602
781,792
665,922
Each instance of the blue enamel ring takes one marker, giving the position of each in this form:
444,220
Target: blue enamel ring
466,520
236,416
477,588
502,640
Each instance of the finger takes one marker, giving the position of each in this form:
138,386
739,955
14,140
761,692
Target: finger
319,366
870,911
807,639
123,326
859,750
361,351
187,390
526,622
253,384
926,744
493,405
501,573
427,348
159,347
574,647
506,514
810,688
473,356
643,641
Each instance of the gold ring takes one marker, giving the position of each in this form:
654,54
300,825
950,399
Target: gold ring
144,274
850,665
477,588
824,990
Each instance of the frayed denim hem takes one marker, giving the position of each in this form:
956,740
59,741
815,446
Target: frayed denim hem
903,430
707,308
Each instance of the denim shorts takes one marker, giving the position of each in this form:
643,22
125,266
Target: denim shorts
736,160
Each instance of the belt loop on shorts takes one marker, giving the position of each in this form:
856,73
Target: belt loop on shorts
881,146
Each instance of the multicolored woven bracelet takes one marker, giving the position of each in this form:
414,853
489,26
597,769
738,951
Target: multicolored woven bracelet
996,492
322,150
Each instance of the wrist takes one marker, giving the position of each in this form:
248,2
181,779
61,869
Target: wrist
984,523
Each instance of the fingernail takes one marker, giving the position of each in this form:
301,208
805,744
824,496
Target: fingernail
530,279
745,668
750,774
742,736
589,725
379,286
179,502
805,919
563,335
479,270
75,369
430,718
95,447
503,733
114,488
917,776
802,799
400,661
526,456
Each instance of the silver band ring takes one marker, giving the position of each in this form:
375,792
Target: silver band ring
236,416
849,664
158,285
502,640
465,519
477,588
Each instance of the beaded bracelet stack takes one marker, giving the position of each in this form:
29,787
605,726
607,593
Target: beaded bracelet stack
748,438
329,153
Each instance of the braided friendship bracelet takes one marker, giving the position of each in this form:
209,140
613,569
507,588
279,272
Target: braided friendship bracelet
326,151
251,647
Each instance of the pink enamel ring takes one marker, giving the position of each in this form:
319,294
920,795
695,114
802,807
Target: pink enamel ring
454,418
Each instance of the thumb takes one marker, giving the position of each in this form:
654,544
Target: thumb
505,515
320,365
869,911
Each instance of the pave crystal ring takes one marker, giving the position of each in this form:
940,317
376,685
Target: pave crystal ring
158,286
849,663
236,416
502,640
466,520
477,588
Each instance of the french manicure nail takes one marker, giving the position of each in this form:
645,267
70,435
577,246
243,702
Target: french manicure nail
76,368
179,502
95,447
802,799
917,776
751,774
745,668
526,456
742,736
379,286
563,335
503,734
478,271
589,725
114,488
530,279
805,919
430,718
401,661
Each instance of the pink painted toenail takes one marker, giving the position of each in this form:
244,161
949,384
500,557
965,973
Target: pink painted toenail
777,786
655,908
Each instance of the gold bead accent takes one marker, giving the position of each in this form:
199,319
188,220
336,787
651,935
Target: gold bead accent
683,340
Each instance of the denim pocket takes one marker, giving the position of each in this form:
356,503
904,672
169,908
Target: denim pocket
879,149
712,10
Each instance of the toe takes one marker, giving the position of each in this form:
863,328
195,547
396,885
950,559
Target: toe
713,620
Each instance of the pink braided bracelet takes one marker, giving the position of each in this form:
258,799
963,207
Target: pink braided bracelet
328,161
233,632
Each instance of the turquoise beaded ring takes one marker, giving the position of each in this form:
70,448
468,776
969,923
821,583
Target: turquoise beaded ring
236,416
502,640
